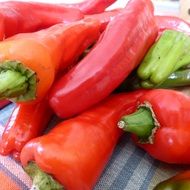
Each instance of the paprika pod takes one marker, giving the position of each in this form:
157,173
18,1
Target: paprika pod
18,17
100,72
161,125
25,123
30,61
76,151
179,182
172,23
89,7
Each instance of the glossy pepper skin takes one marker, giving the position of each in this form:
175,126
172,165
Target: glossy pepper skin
168,140
76,151
3,103
42,54
100,72
18,17
179,182
25,123
92,6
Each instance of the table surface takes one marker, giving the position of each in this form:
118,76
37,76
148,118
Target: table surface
129,168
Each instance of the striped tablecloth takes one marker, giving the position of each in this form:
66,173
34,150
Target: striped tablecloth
130,168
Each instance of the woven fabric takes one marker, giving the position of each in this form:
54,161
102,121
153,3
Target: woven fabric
129,168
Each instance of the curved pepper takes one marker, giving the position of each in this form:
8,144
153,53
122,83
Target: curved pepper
100,72
172,23
25,123
92,6
29,62
179,182
76,151
18,17
161,125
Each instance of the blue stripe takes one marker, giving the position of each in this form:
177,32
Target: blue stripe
16,179
5,113
127,171
150,175
121,144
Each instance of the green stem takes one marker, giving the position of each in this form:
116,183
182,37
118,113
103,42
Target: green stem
12,84
41,180
140,123
17,82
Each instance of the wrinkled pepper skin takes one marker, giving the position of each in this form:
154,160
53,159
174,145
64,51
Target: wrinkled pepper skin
3,103
18,17
76,151
179,182
25,123
49,51
171,142
92,6
100,72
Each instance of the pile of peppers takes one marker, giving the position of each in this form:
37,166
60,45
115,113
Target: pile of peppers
73,61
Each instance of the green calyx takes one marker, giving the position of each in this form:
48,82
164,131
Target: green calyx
173,185
142,123
18,83
41,180
167,55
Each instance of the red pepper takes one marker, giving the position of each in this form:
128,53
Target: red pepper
25,123
179,182
92,6
30,61
100,72
18,17
76,151
172,23
3,103
105,17
162,123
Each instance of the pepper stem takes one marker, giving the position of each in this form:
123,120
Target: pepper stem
140,123
17,82
41,180
12,84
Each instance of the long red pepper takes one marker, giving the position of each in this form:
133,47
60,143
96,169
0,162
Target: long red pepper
161,124
25,123
120,49
18,17
92,6
30,61
3,103
76,151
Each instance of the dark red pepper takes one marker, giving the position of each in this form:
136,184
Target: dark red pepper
25,123
121,48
